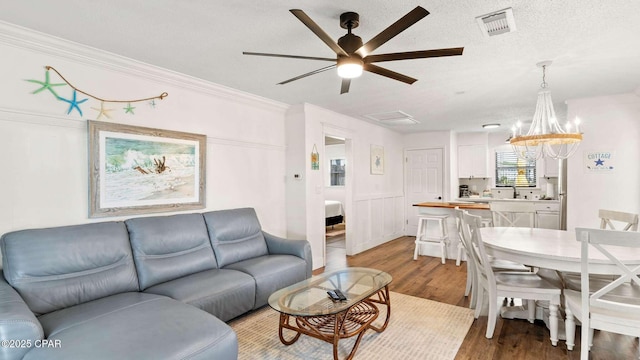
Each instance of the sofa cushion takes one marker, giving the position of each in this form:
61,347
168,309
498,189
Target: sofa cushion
272,273
60,267
223,293
169,247
17,322
135,326
235,235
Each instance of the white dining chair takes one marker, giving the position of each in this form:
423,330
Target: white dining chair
608,220
615,307
496,264
509,214
628,220
523,285
470,286
513,213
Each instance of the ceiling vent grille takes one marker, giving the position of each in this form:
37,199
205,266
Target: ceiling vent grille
497,23
393,118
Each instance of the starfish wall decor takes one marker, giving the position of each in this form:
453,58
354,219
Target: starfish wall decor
74,103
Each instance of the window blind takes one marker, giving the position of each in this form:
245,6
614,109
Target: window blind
511,170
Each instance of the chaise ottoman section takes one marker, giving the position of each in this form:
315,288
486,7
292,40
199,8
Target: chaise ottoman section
135,326
224,293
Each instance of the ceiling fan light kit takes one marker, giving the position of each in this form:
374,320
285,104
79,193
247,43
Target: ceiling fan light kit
545,136
353,56
349,67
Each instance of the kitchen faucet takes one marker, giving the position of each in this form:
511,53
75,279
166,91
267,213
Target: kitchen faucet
515,192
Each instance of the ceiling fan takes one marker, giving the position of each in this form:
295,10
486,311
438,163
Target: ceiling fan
353,57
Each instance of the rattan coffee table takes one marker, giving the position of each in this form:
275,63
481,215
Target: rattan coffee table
306,309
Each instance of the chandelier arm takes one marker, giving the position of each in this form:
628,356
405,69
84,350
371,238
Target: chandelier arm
561,151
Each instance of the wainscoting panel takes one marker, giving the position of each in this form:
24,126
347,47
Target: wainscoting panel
380,219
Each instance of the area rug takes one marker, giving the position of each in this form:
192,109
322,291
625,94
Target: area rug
418,329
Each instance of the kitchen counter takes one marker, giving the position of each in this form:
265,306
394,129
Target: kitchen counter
487,200
450,205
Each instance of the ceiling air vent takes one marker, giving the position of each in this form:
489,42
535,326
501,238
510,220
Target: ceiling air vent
393,118
497,22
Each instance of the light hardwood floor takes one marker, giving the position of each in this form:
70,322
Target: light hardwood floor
513,339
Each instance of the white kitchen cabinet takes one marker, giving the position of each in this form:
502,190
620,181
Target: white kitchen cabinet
548,215
472,161
551,167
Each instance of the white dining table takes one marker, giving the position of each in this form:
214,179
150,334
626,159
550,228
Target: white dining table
551,249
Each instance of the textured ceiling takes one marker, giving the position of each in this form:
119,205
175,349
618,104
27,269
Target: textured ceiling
593,44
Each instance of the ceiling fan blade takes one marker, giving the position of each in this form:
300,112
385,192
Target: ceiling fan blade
413,55
394,29
289,56
308,74
388,73
345,86
318,31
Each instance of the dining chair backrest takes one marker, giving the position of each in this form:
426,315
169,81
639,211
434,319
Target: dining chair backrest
463,233
459,213
509,213
472,224
629,220
471,287
604,241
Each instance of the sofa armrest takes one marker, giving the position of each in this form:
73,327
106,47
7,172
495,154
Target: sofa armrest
299,248
18,325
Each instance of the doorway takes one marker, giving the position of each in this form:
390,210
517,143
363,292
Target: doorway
337,194
423,182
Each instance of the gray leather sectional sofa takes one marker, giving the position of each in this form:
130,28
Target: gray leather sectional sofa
157,287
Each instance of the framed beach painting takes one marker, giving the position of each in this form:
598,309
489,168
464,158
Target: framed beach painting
138,170
377,160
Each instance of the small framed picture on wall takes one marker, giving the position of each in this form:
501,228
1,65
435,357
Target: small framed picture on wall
377,160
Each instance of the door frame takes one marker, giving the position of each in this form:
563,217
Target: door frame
445,187
330,130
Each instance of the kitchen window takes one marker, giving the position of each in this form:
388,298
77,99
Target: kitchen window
513,171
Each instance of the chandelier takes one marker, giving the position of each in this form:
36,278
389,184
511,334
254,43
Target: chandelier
545,136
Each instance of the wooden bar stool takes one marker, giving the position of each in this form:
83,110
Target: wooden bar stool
423,238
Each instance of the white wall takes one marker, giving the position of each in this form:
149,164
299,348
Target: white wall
44,172
297,164
609,123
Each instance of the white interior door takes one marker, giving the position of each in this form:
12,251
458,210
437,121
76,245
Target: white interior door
423,182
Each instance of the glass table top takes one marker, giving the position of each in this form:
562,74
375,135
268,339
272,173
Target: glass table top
309,297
